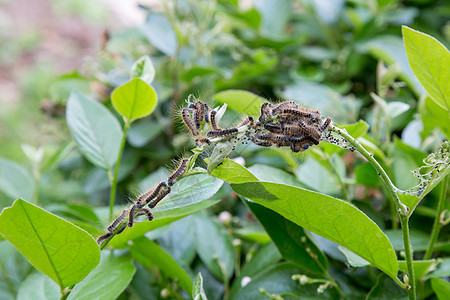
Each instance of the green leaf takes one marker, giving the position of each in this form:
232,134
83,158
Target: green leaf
143,68
430,61
271,174
198,293
419,239
386,288
441,288
232,172
290,239
142,286
14,268
274,16
134,99
277,281
179,240
434,116
421,267
263,259
214,246
95,129
160,220
252,234
148,252
15,180
443,268
108,280
328,12
143,132
314,175
356,129
57,248
391,50
353,259
241,101
160,33
367,175
38,286
329,217
396,108
189,195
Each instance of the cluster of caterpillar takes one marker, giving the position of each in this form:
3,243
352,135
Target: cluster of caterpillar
285,124
149,198
289,125
199,118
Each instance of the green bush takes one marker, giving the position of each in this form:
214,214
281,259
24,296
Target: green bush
364,214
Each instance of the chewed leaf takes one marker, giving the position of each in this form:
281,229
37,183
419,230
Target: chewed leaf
222,150
436,167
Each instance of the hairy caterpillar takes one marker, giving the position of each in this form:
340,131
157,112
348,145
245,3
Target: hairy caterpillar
212,117
303,112
159,198
287,104
188,122
178,172
131,215
104,237
202,141
146,197
146,212
223,132
117,221
325,124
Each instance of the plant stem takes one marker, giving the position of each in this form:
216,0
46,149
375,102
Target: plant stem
437,225
402,210
113,181
65,293
392,189
409,257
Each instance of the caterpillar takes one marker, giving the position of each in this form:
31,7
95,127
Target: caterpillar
325,124
146,212
308,130
202,141
262,143
287,104
205,111
299,147
197,116
266,112
275,128
278,139
188,122
104,237
159,198
117,221
303,112
302,139
223,132
131,215
248,120
178,172
212,117
146,197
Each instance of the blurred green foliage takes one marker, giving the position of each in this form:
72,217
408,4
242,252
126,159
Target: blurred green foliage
344,58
